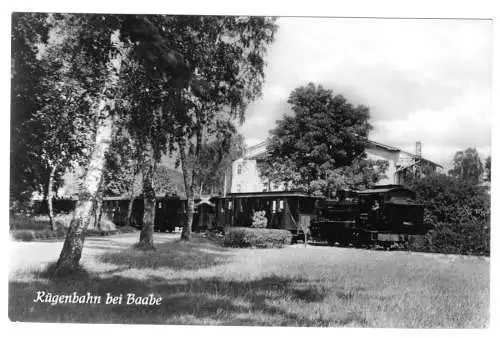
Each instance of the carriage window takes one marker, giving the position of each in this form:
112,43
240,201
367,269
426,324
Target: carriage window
282,205
229,205
274,206
159,205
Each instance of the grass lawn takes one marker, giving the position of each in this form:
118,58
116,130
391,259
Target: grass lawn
203,283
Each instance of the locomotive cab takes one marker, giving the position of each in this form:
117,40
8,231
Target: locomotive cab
391,210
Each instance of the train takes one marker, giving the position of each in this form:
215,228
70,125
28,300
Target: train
384,215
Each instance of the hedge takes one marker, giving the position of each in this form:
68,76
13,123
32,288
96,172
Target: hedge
458,214
257,237
26,235
32,228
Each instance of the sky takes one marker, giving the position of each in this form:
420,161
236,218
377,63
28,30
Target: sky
425,80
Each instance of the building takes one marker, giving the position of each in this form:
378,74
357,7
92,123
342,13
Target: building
246,178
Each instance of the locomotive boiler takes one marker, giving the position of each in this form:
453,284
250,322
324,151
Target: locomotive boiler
383,215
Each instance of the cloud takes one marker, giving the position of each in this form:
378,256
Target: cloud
252,141
427,80
464,123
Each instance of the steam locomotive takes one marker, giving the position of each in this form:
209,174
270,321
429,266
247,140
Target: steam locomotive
383,215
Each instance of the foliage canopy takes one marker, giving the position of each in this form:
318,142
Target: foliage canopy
322,146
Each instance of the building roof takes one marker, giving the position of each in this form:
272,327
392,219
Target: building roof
383,146
271,194
421,159
259,151
381,189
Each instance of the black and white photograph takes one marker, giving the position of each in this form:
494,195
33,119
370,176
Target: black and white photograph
250,170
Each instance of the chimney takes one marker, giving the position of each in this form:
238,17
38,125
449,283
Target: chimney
418,150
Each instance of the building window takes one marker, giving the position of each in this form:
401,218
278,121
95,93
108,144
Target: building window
239,169
238,188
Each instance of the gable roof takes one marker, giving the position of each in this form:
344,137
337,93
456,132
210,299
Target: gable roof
421,159
256,151
259,151
383,146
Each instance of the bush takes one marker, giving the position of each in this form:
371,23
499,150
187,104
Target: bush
31,228
257,238
28,235
259,219
458,214
464,239
24,222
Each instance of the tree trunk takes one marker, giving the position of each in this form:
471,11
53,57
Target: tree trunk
50,197
73,245
130,209
128,221
225,182
98,209
148,220
188,218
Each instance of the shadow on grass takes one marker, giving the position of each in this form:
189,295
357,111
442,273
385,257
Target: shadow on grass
196,254
273,300
267,301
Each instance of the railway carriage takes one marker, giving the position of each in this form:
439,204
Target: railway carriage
169,213
290,210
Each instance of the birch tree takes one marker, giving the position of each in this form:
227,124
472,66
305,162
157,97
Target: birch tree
110,41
